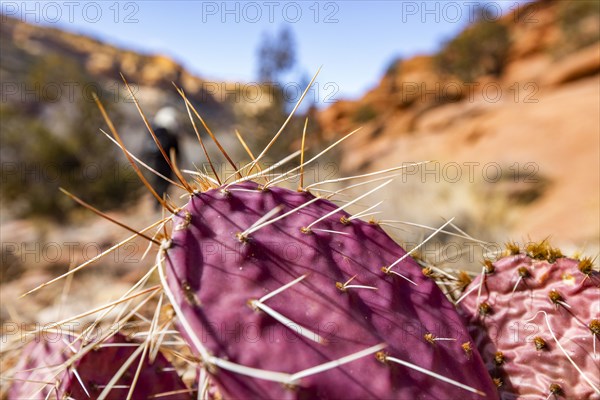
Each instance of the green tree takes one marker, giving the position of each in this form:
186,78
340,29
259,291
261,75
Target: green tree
276,57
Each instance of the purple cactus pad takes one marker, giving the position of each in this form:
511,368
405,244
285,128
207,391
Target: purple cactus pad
42,373
257,348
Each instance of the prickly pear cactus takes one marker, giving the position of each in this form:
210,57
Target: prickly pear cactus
56,368
282,295
535,318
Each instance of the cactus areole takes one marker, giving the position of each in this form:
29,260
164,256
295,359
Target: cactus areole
282,295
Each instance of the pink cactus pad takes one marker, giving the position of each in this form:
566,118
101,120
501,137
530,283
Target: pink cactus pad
528,315
296,310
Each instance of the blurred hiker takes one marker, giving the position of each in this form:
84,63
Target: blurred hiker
166,128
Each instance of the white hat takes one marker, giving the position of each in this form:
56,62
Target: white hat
166,117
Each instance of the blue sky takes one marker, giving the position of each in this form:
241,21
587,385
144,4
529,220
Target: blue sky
354,41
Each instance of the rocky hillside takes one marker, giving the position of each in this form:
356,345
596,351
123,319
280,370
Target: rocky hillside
25,45
510,118
28,48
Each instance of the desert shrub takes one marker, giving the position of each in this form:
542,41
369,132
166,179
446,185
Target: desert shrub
393,67
579,22
479,50
52,140
364,113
